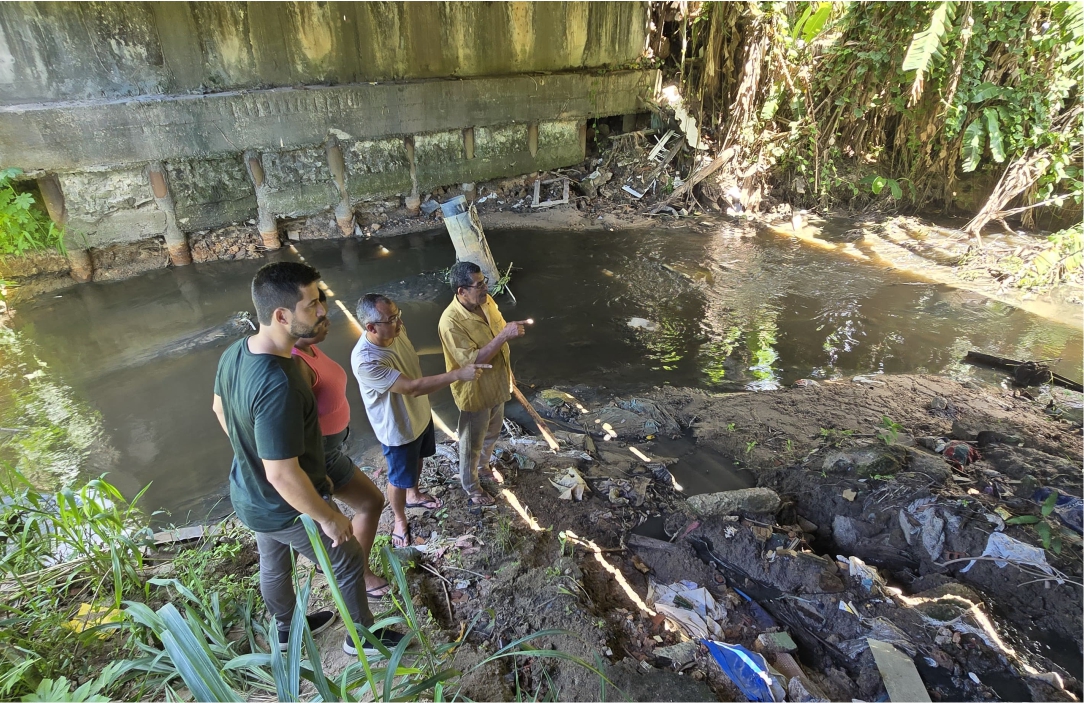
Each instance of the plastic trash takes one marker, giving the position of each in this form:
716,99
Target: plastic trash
748,670
760,615
1069,509
455,206
689,605
643,324
1001,546
960,453
863,573
571,485
925,522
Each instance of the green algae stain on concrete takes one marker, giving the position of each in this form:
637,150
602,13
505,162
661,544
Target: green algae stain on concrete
376,168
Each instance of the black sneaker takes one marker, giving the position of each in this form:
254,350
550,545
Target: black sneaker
318,622
389,638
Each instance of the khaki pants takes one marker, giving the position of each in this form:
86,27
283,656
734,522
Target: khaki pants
478,432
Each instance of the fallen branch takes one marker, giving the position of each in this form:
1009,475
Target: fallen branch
542,427
686,187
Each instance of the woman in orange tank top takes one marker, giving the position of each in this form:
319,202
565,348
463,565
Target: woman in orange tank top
352,486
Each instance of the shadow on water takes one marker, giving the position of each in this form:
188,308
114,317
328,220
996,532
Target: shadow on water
723,310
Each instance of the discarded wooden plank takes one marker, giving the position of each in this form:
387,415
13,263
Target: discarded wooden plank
645,542
549,203
976,357
185,534
789,667
898,672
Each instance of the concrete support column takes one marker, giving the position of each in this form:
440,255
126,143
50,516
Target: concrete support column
265,219
413,201
583,140
176,242
344,214
468,142
628,123
53,196
532,138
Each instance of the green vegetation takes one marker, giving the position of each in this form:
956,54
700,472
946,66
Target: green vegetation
836,438
913,105
889,431
24,227
207,634
1046,527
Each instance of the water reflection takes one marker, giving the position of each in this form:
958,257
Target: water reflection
730,312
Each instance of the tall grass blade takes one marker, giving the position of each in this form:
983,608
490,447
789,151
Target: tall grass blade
192,659
356,630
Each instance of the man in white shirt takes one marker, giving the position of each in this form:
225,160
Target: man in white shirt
396,400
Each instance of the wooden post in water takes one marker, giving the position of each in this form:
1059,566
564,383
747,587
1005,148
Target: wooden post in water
465,228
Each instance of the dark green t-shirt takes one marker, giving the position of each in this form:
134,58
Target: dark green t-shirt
271,414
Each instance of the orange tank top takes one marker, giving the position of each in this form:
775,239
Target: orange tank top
330,391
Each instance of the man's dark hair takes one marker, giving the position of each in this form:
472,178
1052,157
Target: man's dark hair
278,285
460,275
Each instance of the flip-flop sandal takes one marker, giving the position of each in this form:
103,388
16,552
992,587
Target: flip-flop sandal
428,503
406,539
481,500
378,592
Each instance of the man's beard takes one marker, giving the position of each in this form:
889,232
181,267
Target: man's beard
306,332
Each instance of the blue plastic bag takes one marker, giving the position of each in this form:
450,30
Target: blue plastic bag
1069,508
748,670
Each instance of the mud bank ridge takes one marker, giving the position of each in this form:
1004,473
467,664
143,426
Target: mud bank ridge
849,509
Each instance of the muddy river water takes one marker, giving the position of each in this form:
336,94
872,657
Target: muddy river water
623,310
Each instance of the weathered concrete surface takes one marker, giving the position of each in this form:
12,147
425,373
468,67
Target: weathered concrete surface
743,500
77,50
412,95
76,136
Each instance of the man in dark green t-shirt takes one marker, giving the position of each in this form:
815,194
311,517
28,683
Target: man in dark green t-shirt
269,413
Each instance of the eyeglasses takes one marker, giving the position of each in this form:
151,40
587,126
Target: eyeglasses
394,319
484,283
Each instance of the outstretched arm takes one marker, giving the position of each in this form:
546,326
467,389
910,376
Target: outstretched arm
415,387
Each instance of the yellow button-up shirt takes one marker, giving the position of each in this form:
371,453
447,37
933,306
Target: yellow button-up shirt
462,334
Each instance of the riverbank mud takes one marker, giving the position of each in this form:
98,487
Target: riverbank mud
875,501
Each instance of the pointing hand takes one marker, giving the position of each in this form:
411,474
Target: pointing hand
471,372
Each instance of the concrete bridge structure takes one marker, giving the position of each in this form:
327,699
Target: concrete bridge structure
147,119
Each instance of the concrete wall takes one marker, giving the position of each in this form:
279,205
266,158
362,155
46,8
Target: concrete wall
96,50
417,95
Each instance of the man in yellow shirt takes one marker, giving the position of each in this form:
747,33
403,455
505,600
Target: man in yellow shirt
472,331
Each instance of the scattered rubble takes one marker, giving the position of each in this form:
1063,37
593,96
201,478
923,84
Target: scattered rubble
820,588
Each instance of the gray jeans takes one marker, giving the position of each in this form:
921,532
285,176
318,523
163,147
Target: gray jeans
478,432
276,572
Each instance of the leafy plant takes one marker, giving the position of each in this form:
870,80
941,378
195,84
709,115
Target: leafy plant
926,46
836,438
889,431
750,446
24,228
503,281
1047,529
60,550
877,183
